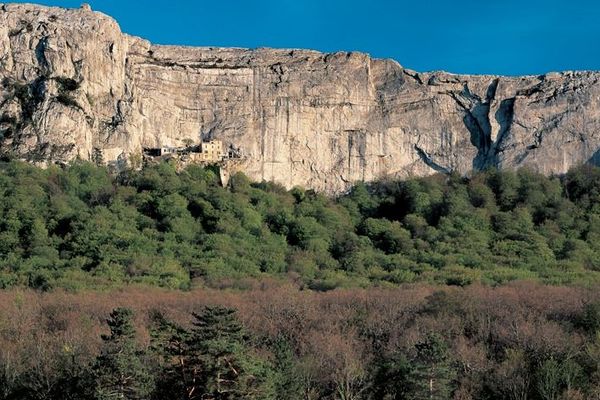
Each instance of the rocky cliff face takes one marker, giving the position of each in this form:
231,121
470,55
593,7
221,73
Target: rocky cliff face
74,86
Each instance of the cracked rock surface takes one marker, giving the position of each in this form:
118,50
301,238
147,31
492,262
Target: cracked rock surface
74,86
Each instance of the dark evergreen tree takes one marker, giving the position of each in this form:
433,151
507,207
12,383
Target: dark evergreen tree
392,378
432,373
170,342
122,370
228,370
212,360
288,384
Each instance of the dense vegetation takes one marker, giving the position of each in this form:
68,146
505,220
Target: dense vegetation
514,342
81,227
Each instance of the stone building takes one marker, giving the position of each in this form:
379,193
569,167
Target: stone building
211,151
162,151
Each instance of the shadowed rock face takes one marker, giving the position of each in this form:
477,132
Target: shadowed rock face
74,86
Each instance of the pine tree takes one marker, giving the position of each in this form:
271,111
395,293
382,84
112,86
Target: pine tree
212,360
432,373
229,371
288,385
121,371
392,378
178,375
217,340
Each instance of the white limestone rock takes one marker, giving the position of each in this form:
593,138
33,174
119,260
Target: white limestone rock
73,84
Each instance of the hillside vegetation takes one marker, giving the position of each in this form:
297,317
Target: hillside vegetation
514,342
81,227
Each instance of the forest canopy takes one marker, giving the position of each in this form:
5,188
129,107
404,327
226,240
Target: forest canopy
81,227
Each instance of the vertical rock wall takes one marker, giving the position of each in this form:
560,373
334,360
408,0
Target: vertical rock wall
74,86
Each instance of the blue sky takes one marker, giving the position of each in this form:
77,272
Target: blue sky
509,37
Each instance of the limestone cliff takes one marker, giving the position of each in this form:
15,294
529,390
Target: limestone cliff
74,86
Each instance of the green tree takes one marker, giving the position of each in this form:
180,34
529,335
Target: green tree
169,342
590,318
548,379
505,186
229,371
213,359
392,378
388,236
122,371
432,375
288,384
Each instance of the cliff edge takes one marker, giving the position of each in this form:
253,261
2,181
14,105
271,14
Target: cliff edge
74,86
